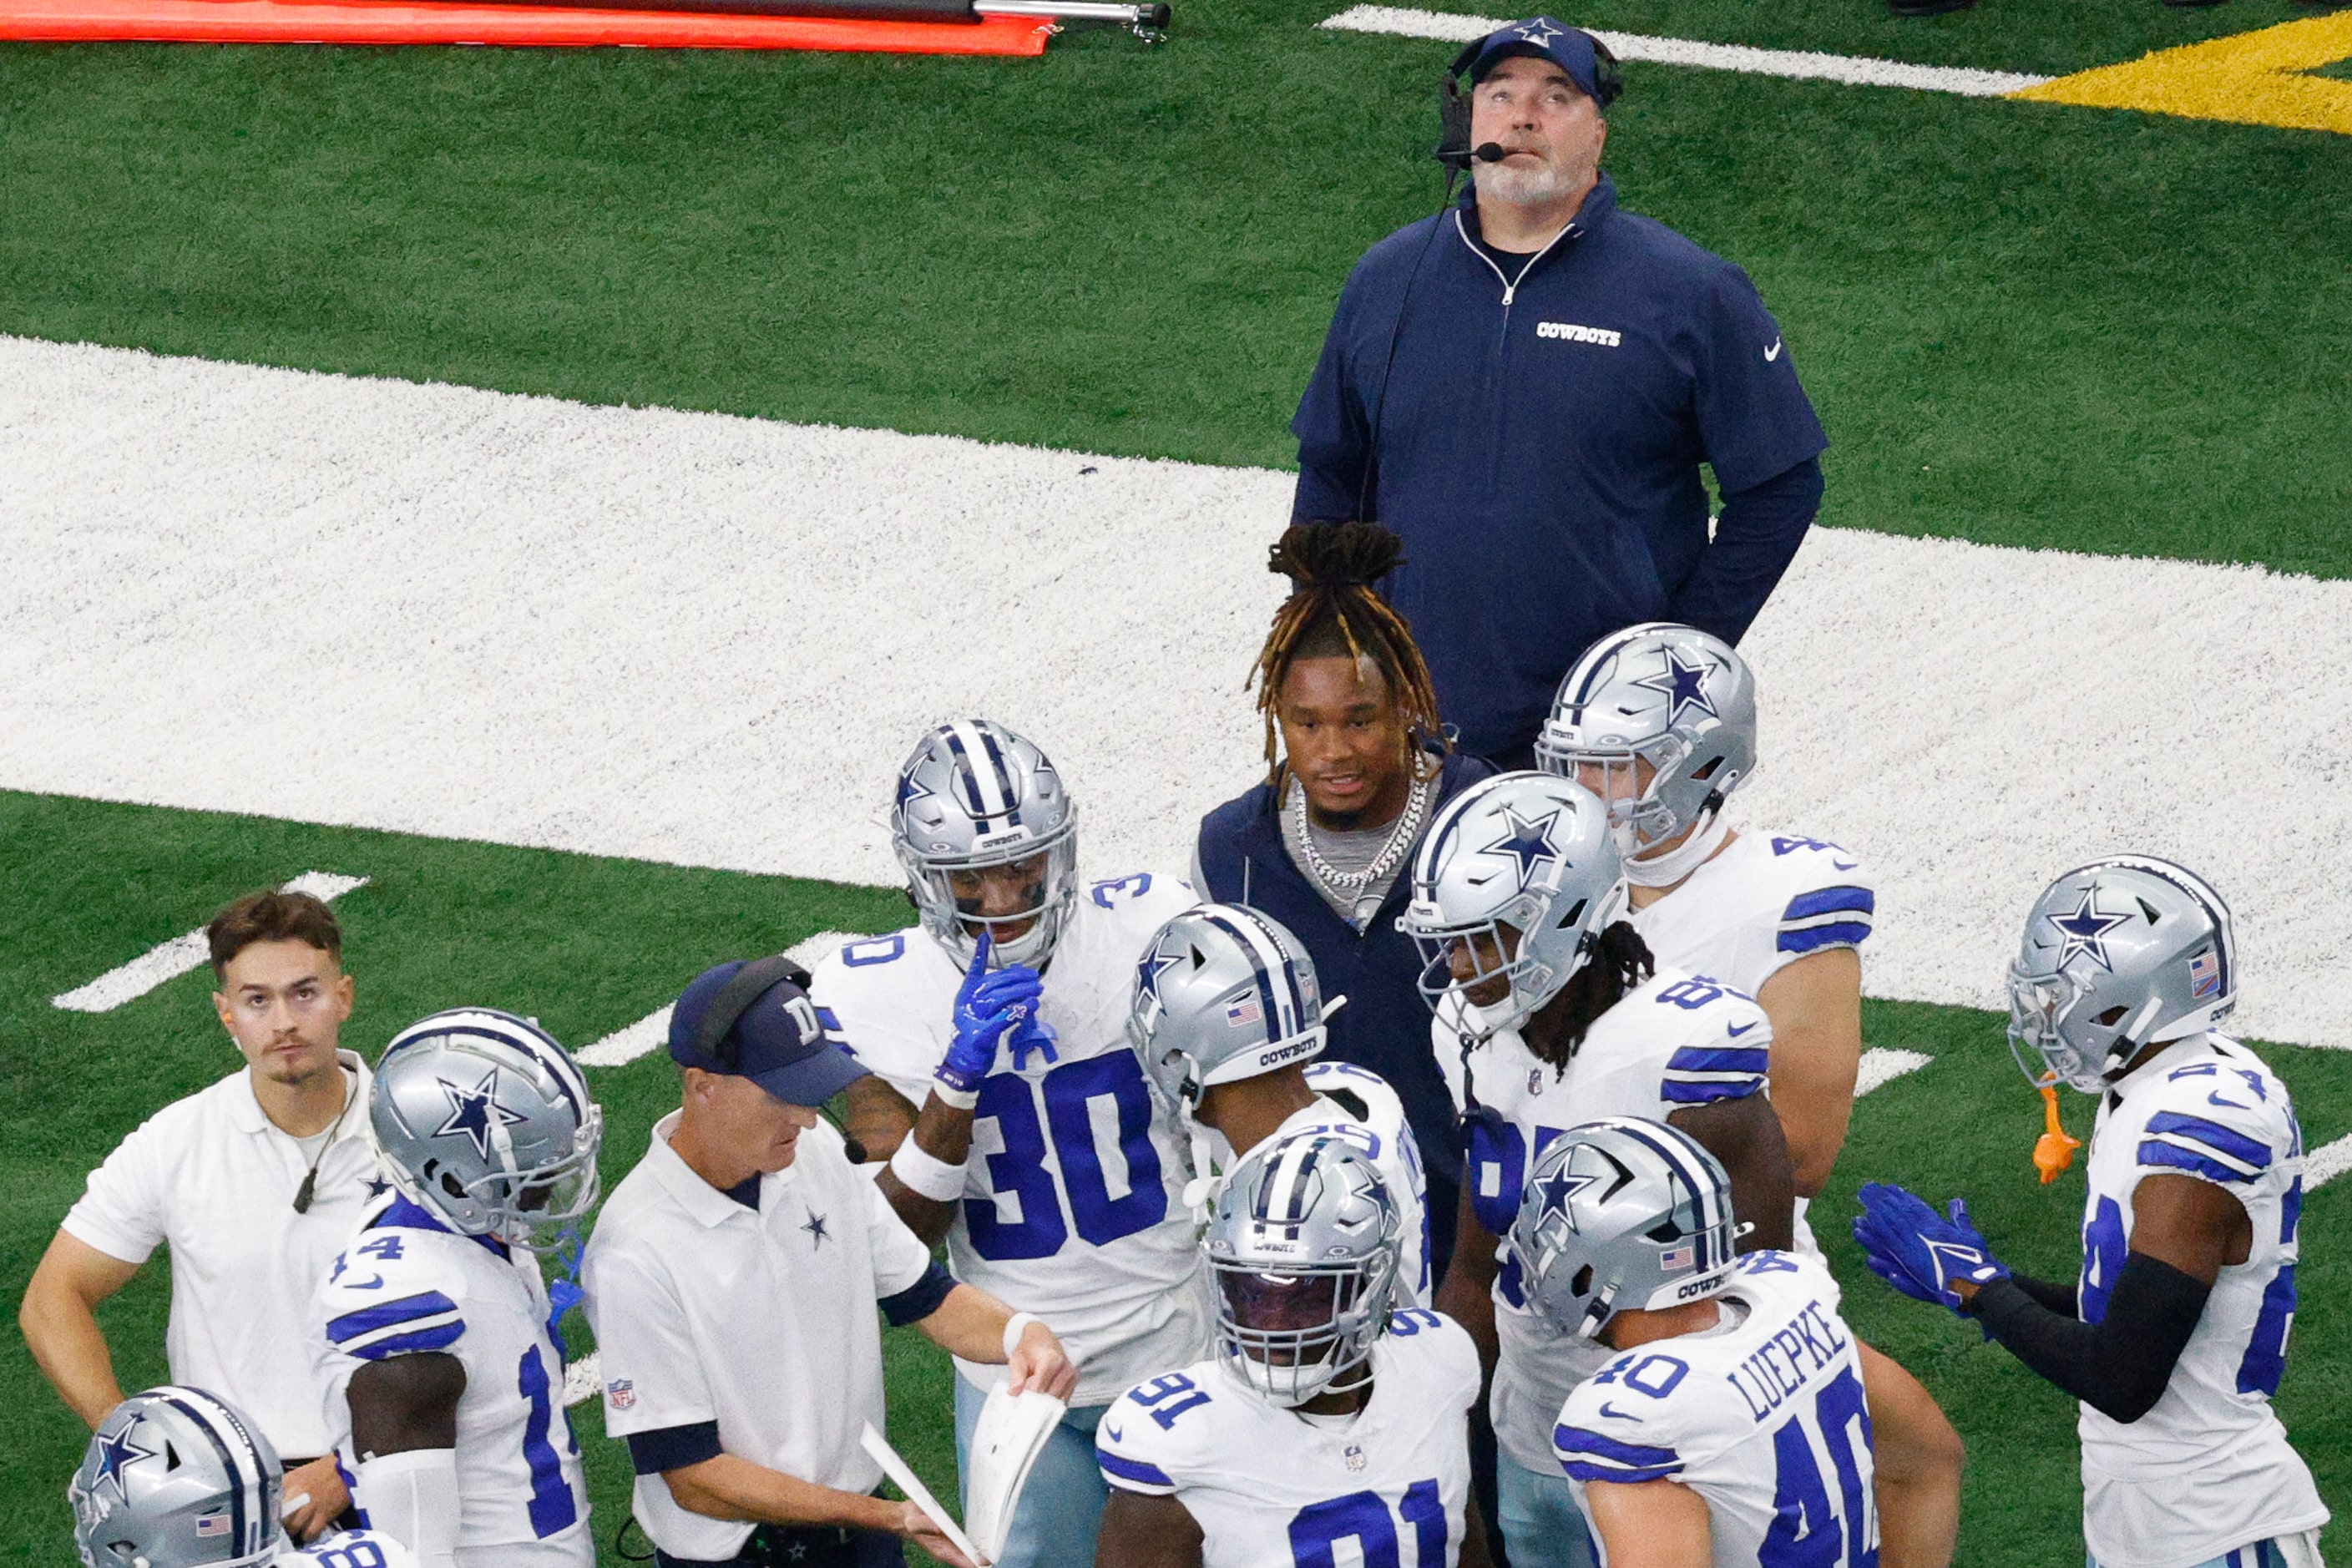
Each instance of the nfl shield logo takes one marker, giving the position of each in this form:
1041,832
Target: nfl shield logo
1355,1460
1241,1015
2205,974
622,1393
1535,1080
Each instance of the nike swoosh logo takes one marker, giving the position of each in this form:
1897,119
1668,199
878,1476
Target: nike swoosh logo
1112,1432
1773,353
1736,1032
374,1284
1845,865
1607,1409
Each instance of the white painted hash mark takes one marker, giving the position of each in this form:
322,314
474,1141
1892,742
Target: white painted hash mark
582,1380
651,1032
2327,1163
1855,70
170,959
1880,1067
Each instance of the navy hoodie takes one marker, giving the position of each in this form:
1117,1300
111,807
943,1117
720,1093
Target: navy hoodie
1540,442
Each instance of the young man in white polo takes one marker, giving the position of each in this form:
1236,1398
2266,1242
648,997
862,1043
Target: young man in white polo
255,1183
733,1282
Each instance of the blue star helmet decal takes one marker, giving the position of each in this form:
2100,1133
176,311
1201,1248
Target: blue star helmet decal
1528,842
115,1450
1559,1189
2085,930
476,1112
1150,967
1539,32
1682,685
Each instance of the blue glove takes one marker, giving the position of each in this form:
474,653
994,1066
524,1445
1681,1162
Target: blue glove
988,1006
1918,1252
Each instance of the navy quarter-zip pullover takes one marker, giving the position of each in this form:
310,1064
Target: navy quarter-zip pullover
1535,439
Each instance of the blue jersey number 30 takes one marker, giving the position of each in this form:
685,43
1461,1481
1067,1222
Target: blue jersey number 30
1070,1093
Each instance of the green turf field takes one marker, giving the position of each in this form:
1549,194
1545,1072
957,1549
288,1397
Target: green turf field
2024,323
589,946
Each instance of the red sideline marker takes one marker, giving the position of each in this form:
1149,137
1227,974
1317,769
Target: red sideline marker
541,27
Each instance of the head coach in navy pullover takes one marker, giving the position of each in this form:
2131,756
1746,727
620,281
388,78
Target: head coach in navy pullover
1524,386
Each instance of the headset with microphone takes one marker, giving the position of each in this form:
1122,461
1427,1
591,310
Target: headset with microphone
1455,152
714,1035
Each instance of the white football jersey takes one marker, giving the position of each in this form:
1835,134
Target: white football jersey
1272,1488
1762,1415
1357,1104
2210,1468
406,1283
1074,1193
1763,902
349,1549
1671,1042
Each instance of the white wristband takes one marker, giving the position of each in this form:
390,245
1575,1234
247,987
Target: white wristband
1014,1327
959,1099
926,1174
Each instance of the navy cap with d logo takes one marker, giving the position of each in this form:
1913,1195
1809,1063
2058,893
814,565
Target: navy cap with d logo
754,1019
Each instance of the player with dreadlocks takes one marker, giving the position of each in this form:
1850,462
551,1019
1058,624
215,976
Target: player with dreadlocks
1357,764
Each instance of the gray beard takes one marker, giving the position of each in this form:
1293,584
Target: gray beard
1521,187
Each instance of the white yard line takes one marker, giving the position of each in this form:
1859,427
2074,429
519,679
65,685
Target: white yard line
582,1380
2327,1163
652,1031
1856,71
1882,1066
170,959
710,640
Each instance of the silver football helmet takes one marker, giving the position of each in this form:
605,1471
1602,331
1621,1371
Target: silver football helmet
1224,993
1667,695
1303,1252
174,1478
972,795
2117,954
1522,871
481,1119
1621,1213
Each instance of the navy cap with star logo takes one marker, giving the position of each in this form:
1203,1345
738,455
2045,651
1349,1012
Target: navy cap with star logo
1572,50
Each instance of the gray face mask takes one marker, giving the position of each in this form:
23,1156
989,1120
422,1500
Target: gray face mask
2117,954
1669,701
974,795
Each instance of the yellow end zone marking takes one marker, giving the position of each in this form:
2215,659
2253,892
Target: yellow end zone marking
2251,78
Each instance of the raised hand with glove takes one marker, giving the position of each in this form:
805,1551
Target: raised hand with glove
1939,1258
990,1006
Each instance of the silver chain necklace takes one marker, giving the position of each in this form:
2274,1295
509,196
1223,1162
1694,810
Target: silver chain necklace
1399,840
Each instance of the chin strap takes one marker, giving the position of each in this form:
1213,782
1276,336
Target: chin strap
1667,869
2054,1152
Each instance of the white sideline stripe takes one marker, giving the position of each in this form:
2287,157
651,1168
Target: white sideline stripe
653,1030
2327,1163
1882,1066
170,959
1857,70
582,1380
511,606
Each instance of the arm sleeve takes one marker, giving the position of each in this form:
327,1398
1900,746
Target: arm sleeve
2058,1299
653,1370
2119,1365
1333,429
1755,539
120,1212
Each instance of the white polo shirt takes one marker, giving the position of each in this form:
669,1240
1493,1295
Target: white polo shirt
215,1178
764,1321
